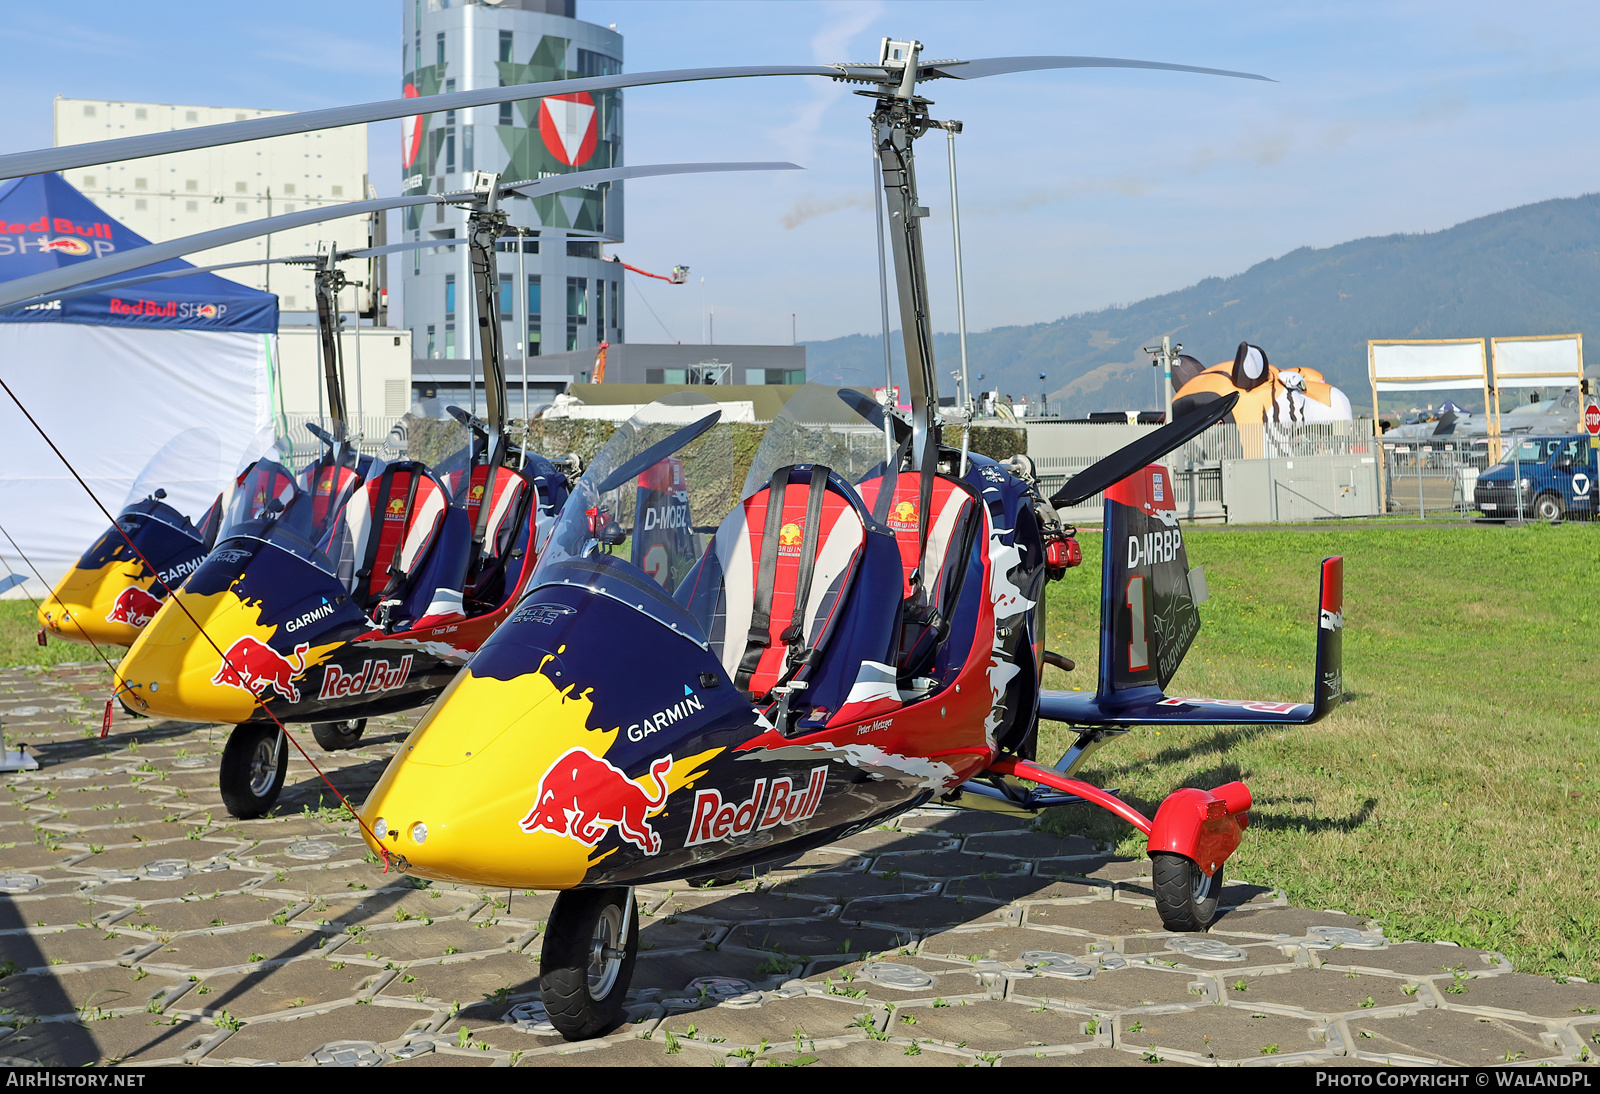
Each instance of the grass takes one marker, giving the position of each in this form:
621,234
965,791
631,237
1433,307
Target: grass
19,646
1453,797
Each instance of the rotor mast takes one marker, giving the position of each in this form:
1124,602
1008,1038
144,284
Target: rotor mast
330,282
486,222
900,117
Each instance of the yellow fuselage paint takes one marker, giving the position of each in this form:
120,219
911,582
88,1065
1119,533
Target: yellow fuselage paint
79,607
178,670
470,773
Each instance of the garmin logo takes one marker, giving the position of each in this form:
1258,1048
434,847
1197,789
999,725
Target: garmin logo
309,617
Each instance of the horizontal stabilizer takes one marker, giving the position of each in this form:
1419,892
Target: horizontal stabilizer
1150,706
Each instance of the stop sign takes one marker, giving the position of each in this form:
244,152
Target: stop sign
1591,419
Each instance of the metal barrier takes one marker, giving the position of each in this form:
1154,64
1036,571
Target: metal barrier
1434,476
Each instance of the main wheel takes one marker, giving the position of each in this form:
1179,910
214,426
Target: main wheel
1185,898
250,780
590,945
1548,507
336,736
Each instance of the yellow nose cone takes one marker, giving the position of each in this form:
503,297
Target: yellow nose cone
461,800
180,671
108,606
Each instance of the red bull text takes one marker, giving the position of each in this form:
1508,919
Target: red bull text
715,820
375,676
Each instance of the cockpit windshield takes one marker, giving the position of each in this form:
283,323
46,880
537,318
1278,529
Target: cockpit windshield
292,483
181,481
840,428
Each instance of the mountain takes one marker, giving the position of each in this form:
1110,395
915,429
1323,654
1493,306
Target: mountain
1529,270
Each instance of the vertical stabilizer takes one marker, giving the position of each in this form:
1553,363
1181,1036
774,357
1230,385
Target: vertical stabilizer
1147,610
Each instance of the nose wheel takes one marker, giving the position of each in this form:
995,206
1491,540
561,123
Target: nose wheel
337,736
1186,898
590,945
254,762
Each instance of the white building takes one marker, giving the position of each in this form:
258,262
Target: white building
166,197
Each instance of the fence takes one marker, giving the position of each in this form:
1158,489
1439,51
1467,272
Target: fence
1434,477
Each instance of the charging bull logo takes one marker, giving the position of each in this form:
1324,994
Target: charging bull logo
906,512
207,311
133,606
64,245
254,666
789,535
396,510
581,795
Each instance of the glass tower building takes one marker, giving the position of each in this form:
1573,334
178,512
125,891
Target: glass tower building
557,294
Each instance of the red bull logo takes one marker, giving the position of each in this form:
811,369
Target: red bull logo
375,676
207,311
395,510
133,606
904,512
61,226
581,795
789,535
63,245
252,665
714,819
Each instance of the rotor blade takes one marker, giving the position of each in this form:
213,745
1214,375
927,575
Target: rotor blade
209,136
53,281
996,66
1146,450
657,452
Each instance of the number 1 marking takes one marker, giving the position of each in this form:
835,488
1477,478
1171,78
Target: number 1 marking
1139,646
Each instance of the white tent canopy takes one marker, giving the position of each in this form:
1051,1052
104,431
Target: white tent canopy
110,397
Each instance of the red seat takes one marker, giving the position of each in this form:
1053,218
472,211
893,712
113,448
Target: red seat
951,507
385,530
500,530
757,656
329,485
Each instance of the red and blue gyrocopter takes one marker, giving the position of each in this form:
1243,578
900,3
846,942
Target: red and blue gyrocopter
703,675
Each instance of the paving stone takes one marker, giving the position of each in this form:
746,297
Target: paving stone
814,937
1271,922
993,1026
943,864
1006,889
808,1018
733,906
843,888
1106,868
484,1025
1171,948
54,911
26,856
1534,995
962,822
1114,989
223,949
1033,845
672,933
469,983
417,942
999,943
294,1039
872,1054
1107,918
297,985
1321,991
835,976
388,906
631,1052
47,993
1413,959
1094,1057
131,1039
1450,1037
447,1058
880,840
921,913
671,972
69,946
337,880
204,912
1219,1033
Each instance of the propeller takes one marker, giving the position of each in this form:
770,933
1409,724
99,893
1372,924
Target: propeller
26,289
209,136
1125,461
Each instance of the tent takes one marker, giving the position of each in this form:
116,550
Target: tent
111,376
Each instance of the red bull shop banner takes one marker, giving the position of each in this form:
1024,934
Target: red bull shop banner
113,375
45,224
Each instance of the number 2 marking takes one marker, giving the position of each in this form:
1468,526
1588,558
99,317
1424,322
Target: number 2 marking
1139,646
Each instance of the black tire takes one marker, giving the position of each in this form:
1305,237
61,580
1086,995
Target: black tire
1548,507
337,736
1185,898
249,781
583,975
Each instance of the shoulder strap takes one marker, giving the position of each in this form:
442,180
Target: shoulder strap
375,532
757,639
795,636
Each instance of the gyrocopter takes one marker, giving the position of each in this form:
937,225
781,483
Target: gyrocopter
701,674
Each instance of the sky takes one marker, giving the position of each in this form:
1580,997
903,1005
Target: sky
1079,189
